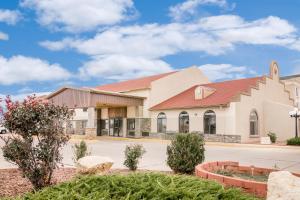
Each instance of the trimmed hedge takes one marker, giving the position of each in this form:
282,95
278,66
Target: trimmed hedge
185,152
294,141
139,186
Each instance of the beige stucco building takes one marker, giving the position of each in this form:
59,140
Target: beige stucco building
185,101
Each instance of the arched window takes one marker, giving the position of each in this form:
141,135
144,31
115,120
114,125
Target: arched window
161,123
253,123
184,122
209,121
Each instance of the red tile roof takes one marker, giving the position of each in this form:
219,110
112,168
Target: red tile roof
224,94
135,84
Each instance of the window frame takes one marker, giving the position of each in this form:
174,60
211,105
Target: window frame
182,118
159,121
256,124
205,117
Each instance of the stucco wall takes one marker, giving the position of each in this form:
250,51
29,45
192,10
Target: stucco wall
273,95
224,120
144,110
80,114
169,86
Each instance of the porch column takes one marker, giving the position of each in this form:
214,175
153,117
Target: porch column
124,127
91,126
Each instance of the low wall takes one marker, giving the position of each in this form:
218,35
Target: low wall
206,171
207,137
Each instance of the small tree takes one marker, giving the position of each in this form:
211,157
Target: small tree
132,155
37,135
80,150
185,152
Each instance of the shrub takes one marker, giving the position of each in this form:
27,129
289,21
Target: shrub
185,152
132,155
37,134
294,141
272,136
80,150
139,186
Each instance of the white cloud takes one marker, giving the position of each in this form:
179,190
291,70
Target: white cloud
10,17
217,72
20,96
3,36
189,8
120,67
80,15
152,42
20,69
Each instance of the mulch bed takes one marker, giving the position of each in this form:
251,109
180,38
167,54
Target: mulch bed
13,184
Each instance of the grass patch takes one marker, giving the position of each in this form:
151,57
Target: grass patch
139,186
246,176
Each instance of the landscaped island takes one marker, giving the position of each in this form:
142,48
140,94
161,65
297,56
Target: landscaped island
138,186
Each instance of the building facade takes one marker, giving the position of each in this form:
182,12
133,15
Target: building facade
183,101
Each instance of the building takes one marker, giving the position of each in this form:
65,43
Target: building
183,101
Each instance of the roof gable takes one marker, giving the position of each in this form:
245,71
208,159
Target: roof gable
224,94
135,84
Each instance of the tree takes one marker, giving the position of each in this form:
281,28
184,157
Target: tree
37,135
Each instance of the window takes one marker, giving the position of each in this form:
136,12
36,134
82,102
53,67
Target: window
130,124
184,122
161,123
84,109
253,123
209,120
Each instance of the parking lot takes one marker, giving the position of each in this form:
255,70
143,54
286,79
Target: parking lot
286,158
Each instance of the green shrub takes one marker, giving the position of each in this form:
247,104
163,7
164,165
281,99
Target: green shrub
80,150
132,155
37,135
273,137
185,152
139,186
294,141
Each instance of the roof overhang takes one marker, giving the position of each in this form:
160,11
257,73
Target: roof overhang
87,97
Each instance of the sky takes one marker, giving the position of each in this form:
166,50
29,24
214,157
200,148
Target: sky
48,44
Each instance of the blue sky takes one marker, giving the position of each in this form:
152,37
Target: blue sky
45,44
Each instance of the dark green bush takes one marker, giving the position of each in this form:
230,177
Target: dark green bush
294,141
273,137
132,155
136,186
185,152
80,150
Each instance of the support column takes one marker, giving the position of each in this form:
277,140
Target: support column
124,127
91,127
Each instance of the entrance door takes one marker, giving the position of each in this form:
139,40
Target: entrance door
116,127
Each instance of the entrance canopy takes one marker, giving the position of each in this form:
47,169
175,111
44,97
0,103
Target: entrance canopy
87,97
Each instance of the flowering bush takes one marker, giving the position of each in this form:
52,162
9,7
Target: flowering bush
37,134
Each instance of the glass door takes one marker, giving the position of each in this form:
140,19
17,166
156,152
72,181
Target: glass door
116,127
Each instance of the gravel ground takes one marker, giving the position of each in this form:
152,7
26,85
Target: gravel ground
12,183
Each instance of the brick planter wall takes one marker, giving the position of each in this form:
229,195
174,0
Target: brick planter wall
206,171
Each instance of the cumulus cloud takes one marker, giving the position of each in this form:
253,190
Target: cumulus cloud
20,69
3,36
120,67
189,8
216,72
80,15
10,17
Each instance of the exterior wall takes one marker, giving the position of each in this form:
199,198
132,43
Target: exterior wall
272,104
224,120
169,86
79,114
292,86
144,110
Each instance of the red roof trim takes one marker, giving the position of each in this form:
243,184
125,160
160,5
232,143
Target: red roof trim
134,84
225,93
